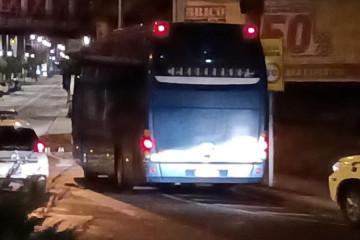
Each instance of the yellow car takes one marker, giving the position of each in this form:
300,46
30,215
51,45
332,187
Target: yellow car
9,118
344,186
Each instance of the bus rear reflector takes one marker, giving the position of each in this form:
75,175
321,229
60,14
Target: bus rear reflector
250,31
161,29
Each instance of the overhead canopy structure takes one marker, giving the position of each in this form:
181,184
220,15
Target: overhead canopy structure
50,17
116,49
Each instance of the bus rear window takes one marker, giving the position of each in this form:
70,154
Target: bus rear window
215,51
209,39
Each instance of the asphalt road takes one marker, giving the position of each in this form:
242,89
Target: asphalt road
102,212
78,209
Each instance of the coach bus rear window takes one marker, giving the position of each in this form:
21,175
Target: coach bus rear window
208,54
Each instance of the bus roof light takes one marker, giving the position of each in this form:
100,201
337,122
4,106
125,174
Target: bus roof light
161,29
250,31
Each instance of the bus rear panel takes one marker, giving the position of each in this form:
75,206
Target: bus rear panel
207,106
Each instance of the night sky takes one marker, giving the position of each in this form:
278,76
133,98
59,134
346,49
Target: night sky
135,11
146,11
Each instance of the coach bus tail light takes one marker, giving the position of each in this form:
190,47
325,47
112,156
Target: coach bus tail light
250,31
161,29
263,146
147,142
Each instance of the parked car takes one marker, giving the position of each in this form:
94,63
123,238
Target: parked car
24,165
15,85
4,89
344,186
10,118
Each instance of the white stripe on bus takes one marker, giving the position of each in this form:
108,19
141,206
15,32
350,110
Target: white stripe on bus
207,80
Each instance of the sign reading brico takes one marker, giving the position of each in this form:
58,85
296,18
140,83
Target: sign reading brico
205,13
273,50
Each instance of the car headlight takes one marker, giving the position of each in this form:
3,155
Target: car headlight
336,166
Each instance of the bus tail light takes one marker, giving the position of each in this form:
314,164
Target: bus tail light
161,29
39,147
250,31
263,146
147,142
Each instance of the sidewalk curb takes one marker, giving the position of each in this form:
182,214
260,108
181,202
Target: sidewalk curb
60,173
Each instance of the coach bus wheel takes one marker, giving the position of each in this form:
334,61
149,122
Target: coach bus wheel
119,172
124,171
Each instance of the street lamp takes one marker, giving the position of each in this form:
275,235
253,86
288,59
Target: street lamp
63,55
39,39
86,40
32,37
46,43
9,53
61,47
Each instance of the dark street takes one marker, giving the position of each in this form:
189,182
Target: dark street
179,120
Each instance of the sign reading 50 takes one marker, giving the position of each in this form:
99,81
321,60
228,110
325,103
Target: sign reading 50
298,32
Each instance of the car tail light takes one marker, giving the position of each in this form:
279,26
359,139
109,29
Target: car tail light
161,29
39,147
263,146
250,31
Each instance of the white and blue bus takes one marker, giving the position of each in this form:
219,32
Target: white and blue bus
208,105
193,94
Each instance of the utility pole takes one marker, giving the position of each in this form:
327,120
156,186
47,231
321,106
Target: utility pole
174,8
120,23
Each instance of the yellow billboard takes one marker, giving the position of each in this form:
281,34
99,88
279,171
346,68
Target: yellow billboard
274,58
321,38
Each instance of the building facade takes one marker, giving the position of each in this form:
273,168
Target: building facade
320,37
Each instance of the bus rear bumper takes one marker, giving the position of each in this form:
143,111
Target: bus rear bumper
203,180
205,173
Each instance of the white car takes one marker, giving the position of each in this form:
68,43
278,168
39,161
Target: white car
344,186
24,165
4,88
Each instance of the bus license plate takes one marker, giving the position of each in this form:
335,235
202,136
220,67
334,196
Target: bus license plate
207,172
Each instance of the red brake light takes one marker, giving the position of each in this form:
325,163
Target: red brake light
263,146
264,142
161,29
39,147
250,31
146,144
